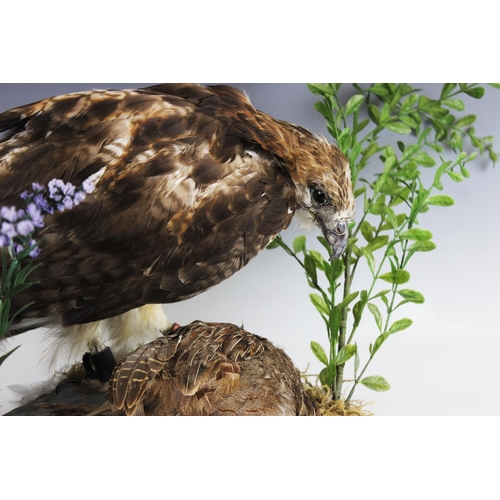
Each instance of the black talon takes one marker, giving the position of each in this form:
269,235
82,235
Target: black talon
99,365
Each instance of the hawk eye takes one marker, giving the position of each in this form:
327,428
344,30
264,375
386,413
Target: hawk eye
318,196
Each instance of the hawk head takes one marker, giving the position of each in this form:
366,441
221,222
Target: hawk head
322,180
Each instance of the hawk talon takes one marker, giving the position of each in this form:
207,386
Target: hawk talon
99,365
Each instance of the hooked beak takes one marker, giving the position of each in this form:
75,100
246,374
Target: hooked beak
336,235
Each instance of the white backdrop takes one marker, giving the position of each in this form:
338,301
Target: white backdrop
445,364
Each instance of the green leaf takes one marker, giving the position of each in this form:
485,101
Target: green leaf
319,89
475,92
456,177
456,141
299,244
378,242
397,277
327,375
412,296
376,383
353,104
319,352
359,191
380,89
319,303
345,140
447,89
370,259
408,121
335,320
273,244
409,151
370,150
457,104
466,121
391,217
381,294
358,307
377,208
325,244
6,355
347,300
338,267
376,314
374,114
345,354
494,85
385,113
322,108
440,200
318,259
399,220
378,343
366,230
422,158
400,324
409,102
464,171
332,130
398,127
360,126
310,268
423,246
416,234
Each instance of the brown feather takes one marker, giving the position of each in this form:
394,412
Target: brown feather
208,369
196,183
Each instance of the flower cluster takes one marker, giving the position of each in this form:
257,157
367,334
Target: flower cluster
18,226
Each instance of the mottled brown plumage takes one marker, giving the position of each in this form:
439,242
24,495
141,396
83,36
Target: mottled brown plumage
208,369
192,183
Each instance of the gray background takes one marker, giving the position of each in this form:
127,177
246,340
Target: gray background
445,364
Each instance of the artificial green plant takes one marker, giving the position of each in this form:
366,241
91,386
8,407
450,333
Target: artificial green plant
387,234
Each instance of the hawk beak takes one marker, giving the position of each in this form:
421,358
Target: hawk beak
337,236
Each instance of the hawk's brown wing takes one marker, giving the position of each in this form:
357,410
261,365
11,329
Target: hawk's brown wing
186,195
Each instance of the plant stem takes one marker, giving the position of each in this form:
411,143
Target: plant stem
343,325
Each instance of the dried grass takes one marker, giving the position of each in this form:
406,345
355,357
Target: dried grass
326,407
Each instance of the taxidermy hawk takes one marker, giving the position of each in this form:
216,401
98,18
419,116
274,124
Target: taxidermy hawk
191,183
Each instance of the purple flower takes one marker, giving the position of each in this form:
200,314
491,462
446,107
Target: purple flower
8,229
17,225
88,186
67,202
25,227
55,186
79,197
35,251
9,214
68,189
43,204
35,214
